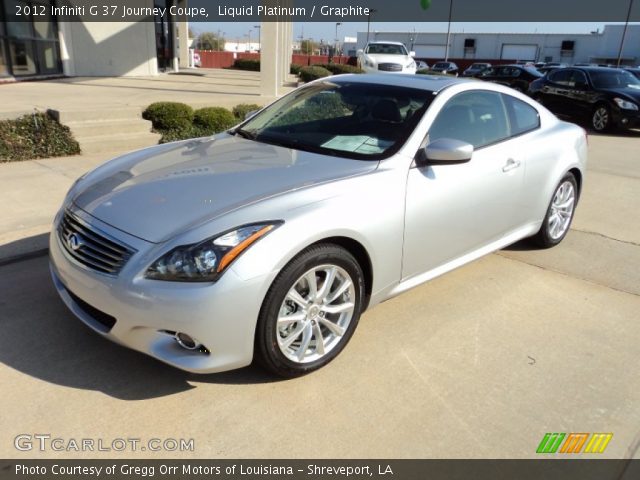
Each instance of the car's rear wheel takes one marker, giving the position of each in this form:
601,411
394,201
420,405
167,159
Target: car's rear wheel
559,214
310,311
601,118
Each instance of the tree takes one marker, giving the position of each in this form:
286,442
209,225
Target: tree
308,47
210,41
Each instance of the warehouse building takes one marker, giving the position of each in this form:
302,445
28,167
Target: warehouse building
596,47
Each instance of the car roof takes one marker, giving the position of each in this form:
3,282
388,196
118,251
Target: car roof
385,42
433,83
596,69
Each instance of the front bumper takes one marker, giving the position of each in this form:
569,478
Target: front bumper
222,315
626,118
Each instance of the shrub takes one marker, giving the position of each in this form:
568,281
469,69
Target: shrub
169,115
308,74
37,135
240,111
338,69
247,64
212,120
295,69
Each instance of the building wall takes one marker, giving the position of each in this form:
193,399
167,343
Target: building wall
108,48
548,46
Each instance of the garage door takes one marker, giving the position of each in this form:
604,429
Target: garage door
519,52
430,51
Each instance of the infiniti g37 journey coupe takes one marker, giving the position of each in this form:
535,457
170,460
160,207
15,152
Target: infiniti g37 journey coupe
269,241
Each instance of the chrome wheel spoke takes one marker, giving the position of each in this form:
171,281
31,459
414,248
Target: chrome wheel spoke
293,336
285,320
312,282
317,333
306,340
334,328
328,282
341,289
294,296
341,308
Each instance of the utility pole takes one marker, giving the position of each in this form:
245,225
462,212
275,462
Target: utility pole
624,33
371,12
250,40
446,51
337,38
258,27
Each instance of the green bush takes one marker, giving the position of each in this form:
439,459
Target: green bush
247,64
295,69
240,111
169,116
308,74
338,69
37,135
212,120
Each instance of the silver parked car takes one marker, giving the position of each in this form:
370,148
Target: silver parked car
270,240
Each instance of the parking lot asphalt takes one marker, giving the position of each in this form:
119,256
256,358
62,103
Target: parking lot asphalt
479,363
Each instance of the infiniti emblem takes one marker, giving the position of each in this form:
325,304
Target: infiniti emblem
74,241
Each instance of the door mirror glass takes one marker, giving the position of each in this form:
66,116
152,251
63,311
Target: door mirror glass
445,151
412,54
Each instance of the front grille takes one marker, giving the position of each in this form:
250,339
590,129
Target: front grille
99,316
390,67
90,247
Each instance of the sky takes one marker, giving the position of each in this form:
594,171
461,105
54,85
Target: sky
326,31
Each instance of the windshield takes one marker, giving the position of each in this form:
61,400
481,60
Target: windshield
386,49
616,79
354,120
441,65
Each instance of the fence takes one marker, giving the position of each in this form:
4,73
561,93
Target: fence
212,59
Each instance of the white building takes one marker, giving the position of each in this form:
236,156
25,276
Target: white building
596,47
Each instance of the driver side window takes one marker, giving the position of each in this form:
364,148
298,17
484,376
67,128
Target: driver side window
475,117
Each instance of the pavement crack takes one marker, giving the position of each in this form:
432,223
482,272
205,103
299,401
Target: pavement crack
588,232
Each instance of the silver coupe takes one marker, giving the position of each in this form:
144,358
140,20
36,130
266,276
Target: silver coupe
268,241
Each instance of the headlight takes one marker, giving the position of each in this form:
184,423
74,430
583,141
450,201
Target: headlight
625,104
206,261
369,63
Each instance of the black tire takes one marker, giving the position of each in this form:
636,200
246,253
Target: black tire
598,112
544,238
267,351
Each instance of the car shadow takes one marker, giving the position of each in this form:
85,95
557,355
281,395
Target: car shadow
616,133
42,339
524,245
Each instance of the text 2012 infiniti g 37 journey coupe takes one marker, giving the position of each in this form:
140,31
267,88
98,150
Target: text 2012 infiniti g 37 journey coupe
270,240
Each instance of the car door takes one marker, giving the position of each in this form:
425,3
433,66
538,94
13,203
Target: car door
579,97
452,210
556,90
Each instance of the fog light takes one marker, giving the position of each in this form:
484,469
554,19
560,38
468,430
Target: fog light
187,342
625,121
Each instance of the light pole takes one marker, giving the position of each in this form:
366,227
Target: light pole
337,38
624,33
446,51
250,40
258,27
371,12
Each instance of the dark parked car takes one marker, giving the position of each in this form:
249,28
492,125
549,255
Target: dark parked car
449,68
605,97
476,69
634,71
514,76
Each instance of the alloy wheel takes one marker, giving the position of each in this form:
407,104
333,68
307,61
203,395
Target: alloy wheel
316,313
562,209
600,119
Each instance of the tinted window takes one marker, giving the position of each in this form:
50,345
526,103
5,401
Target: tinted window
387,49
523,116
478,118
561,77
613,79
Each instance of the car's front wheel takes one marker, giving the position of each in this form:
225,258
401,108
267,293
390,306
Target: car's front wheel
310,311
601,118
559,214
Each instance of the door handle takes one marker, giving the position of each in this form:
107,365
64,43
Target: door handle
511,165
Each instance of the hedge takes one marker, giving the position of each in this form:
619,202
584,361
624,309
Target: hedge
241,111
36,135
213,119
308,74
338,69
169,115
246,64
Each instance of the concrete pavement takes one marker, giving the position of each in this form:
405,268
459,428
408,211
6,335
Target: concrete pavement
479,363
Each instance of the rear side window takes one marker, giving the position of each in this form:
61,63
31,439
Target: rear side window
475,117
523,117
561,77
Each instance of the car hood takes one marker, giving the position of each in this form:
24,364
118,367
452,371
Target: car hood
628,92
382,58
158,192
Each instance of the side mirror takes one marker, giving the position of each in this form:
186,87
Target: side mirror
444,151
250,114
359,52
412,54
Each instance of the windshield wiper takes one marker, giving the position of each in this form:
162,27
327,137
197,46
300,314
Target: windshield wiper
245,134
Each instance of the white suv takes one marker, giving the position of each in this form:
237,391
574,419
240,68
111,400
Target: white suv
391,57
